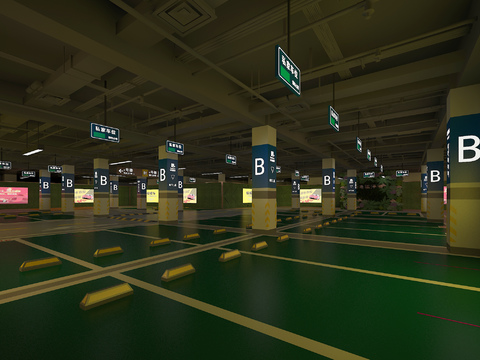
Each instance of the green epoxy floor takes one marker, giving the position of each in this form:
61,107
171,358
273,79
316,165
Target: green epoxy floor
376,316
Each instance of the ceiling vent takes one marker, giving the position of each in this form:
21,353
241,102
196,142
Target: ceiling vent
295,108
53,99
185,16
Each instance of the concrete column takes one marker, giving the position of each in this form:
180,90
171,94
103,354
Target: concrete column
328,187
424,184
351,189
113,192
44,189
141,193
295,191
167,186
264,179
180,190
435,204
68,189
463,170
101,197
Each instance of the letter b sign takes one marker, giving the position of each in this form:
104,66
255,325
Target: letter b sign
327,180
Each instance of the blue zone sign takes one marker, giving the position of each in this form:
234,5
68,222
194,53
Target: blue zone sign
180,185
264,165
435,175
44,183
68,183
351,185
463,149
295,186
142,186
424,183
168,174
114,187
287,72
328,180
101,179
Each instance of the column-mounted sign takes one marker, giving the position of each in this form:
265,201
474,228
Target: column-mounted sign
5,165
351,185
264,166
369,175
328,180
68,183
333,118
402,173
54,168
279,169
168,174
106,133
424,183
192,180
375,161
101,180
287,72
142,186
230,159
435,175
28,173
369,155
359,145
174,147
295,186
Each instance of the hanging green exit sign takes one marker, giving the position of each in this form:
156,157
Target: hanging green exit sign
333,118
287,72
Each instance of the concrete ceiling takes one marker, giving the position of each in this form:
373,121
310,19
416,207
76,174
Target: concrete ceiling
209,79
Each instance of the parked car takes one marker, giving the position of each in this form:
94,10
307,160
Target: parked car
314,197
87,197
191,197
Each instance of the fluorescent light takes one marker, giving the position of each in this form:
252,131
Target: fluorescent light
181,168
238,176
33,152
121,162
213,173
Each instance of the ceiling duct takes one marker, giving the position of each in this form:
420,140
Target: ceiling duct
185,16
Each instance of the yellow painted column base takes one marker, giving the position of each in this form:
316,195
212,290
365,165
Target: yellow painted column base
101,206
328,206
264,214
168,209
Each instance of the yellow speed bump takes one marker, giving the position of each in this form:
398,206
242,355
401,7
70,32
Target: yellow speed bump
411,214
229,255
304,210
340,219
10,217
288,218
259,246
33,215
108,251
296,217
249,226
392,213
160,242
374,213
279,220
283,238
345,217
24,213
314,214
307,230
178,272
191,236
40,263
104,296
304,216
319,226
219,231
317,211
334,221
327,223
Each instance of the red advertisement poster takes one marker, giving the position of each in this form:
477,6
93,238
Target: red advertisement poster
13,195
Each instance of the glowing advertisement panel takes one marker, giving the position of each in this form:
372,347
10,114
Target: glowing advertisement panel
152,195
83,196
189,195
13,195
247,196
311,196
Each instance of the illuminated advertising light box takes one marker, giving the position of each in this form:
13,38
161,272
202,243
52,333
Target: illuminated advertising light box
13,195
311,196
189,195
152,196
445,195
247,196
83,196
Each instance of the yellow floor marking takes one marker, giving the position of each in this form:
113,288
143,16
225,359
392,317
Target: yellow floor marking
390,231
369,272
10,229
151,237
275,332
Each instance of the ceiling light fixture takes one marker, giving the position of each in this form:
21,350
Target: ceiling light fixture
121,162
28,153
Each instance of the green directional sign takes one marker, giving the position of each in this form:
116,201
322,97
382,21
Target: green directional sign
174,147
5,165
359,145
230,159
287,72
333,118
279,169
381,168
54,169
369,175
369,155
103,132
28,173
403,173
297,173
375,161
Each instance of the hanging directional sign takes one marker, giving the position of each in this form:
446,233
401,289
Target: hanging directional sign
192,180
54,168
230,159
402,173
333,118
381,168
5,165
369,155
305,178
359,145
287,72
279,169
102,132
297,173
375,161
28,173
369,175
174,147
153,173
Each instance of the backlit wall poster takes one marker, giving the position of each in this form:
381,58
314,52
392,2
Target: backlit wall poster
13,195
189,195
247,196
83,196
311,196
152,196
445,195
